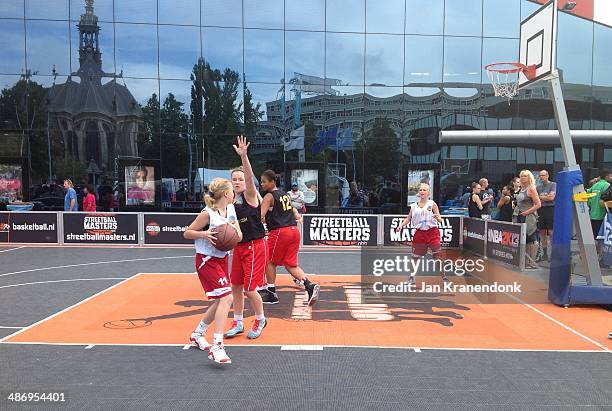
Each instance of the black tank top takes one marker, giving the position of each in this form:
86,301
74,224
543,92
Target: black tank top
282,212
249,218
473,209
505,213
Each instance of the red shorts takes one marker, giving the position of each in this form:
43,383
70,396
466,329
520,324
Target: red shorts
283,246
212,272
249,263
424,239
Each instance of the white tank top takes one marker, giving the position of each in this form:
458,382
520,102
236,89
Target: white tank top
423,218
202,245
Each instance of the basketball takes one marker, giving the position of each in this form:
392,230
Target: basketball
227,237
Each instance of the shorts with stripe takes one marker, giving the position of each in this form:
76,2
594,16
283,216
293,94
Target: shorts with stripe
249,262
213,275
284,245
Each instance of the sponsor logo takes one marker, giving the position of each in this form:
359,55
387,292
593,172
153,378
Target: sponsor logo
471,234
100,227
153,229
4,227
33,227
342,231
503,237
100,224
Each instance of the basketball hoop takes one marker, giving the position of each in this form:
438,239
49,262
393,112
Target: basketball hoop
505,77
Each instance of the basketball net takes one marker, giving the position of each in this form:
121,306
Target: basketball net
504,77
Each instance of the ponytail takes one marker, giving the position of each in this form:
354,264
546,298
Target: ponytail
216,189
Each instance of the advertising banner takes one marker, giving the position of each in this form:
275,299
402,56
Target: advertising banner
100,228
449,231
28,227
504,242
474,235
164,228
337,230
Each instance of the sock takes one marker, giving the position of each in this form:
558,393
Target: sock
238,318
271,287
218,338
201,328
260,317
306,282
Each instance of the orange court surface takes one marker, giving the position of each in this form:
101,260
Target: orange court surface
162,309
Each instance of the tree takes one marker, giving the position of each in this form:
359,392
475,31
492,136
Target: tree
174,125
380,148
23,107
170,124
216,113
148,142
252,113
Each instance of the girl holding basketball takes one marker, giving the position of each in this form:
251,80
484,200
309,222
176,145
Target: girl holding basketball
283,240
424,215
250,257
212,267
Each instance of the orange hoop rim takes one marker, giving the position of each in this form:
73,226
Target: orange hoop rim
518,67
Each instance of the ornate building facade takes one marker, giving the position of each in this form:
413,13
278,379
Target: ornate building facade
98,122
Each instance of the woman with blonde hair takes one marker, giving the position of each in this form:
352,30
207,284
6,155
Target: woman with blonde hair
212,265
527,204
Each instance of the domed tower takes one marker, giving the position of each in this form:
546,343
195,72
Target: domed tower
97,121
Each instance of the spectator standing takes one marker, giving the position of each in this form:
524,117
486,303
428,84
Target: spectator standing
504,205
89,200
597,210
356,196
465,198
527,204
475,207
486,196
546,191
297,198
70,199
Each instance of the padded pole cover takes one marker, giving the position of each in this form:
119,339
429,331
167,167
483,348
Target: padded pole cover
560,267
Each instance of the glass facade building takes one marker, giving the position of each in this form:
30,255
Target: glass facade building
89,88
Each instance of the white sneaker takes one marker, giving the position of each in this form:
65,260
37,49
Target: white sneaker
217,354
198,340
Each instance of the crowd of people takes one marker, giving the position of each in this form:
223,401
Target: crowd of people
522,201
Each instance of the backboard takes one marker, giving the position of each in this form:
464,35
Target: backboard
538,42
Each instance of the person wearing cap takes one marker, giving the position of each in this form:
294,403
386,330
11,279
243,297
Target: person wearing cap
297,198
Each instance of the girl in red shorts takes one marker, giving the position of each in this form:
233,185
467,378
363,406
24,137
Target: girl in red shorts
283,240
250,257
211,265
424,215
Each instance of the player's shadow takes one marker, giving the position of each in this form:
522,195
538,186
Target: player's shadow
338,301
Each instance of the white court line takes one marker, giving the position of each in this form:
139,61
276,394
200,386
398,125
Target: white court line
417,350
69,308
13,249
89,347
10,328
301,348
543,314
94,263
324,347
64,281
